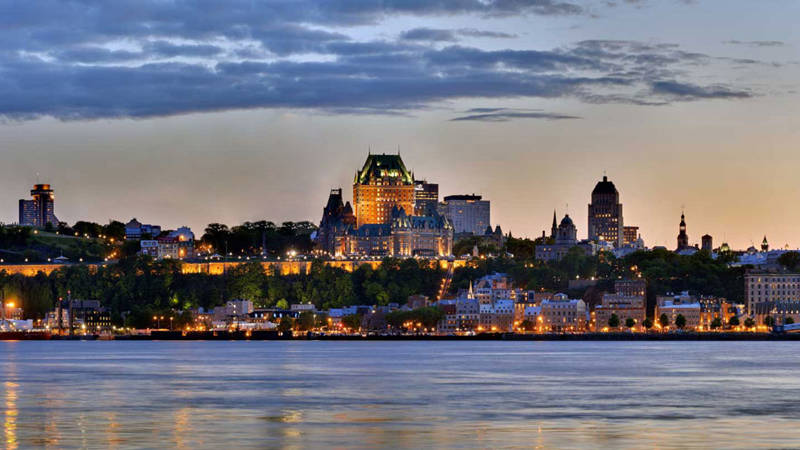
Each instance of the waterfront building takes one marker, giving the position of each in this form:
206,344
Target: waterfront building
563,314
426,198
712,308
681,304
771,288
565,238
40,211
605,214
780,312
623,306
86,316
168,247
468,213
382,185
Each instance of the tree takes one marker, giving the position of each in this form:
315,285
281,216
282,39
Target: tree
286,324
769,321
527,325
630,323
734,322
749,322
788,321
716,323
680,321
305,322
613,321
282,304
790,260
352,322
663,320
648,323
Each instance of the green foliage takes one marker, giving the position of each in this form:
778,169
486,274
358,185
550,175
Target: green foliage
427,317
788,321
249,238
734,321
630,323
305,322
749,322
790,260
528,325
352,322
663,320
286,324
769,321
613,321
282,304
680,321
648,323
716,323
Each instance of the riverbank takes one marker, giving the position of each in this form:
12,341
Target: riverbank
274,335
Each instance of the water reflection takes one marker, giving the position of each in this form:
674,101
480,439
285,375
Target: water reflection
399,395
11,413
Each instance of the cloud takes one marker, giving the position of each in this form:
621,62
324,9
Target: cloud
507,114
441,35
151,58
757,43
688,91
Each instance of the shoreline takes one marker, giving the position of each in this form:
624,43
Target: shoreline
274,336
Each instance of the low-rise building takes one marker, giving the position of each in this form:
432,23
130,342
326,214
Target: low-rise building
563,314
623,306
681,304
779,312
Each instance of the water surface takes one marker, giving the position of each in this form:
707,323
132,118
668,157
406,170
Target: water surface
400,394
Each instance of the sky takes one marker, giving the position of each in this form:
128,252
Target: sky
187,113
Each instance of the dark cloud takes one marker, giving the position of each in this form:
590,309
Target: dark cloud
507,114
152,58
688,91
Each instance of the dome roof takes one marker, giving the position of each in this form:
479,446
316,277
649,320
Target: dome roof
605,187
566,221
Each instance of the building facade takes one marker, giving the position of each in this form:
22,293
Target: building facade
467,213
605,214
426,198
563,314
770,287
623,306
40,211
565,238
383,223
381,185
682,304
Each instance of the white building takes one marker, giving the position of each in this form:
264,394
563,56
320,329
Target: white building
467,213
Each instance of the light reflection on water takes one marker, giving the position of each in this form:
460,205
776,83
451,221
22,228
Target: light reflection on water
400,394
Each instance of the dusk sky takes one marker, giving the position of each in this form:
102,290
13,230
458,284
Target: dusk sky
185,113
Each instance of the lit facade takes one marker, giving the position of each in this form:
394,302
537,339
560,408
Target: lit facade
381,185
40,211
605,214
770,287
426,198
467,213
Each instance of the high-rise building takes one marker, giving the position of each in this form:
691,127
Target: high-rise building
41,210
426,198
605,214
467,213
683,238
383,183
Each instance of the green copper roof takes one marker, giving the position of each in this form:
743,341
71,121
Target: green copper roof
386,167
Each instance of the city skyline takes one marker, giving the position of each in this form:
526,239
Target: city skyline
695,113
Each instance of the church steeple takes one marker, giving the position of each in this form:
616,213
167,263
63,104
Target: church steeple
683,238
554,228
